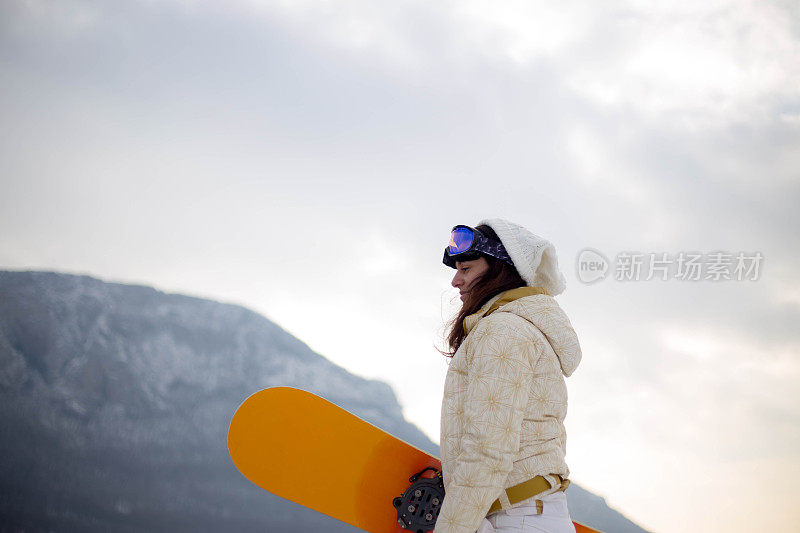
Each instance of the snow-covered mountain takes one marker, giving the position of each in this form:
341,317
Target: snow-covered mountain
115,402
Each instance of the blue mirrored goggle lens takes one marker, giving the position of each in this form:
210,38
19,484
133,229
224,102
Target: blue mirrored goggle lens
460,240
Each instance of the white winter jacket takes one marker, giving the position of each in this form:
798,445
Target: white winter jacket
505,399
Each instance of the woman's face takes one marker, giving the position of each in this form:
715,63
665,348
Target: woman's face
467,273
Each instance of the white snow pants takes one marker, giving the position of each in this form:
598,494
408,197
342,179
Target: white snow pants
554,518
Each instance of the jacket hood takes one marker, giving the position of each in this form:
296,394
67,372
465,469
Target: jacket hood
540,309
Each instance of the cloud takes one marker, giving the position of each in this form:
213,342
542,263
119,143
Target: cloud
694,63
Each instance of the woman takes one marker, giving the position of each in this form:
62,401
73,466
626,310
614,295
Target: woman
502,438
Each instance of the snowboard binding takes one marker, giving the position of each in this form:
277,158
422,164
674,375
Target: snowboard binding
418,507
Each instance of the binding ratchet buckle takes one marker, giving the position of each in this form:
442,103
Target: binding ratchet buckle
418,507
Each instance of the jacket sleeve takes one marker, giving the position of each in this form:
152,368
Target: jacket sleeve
499,376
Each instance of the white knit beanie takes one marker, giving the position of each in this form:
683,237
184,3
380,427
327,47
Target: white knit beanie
534,257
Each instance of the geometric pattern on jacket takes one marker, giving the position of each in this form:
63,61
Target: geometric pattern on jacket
505,399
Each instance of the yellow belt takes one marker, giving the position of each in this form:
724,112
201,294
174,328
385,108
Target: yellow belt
529,489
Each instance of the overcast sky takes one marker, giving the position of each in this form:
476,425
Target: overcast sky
307,159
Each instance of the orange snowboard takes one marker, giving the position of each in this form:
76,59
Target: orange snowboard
304,448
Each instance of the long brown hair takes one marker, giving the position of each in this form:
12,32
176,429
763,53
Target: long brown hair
500,277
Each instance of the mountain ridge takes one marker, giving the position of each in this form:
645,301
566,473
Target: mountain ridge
118,398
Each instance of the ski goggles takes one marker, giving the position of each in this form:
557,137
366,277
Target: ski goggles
468,243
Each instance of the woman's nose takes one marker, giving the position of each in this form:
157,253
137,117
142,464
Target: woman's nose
456,281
